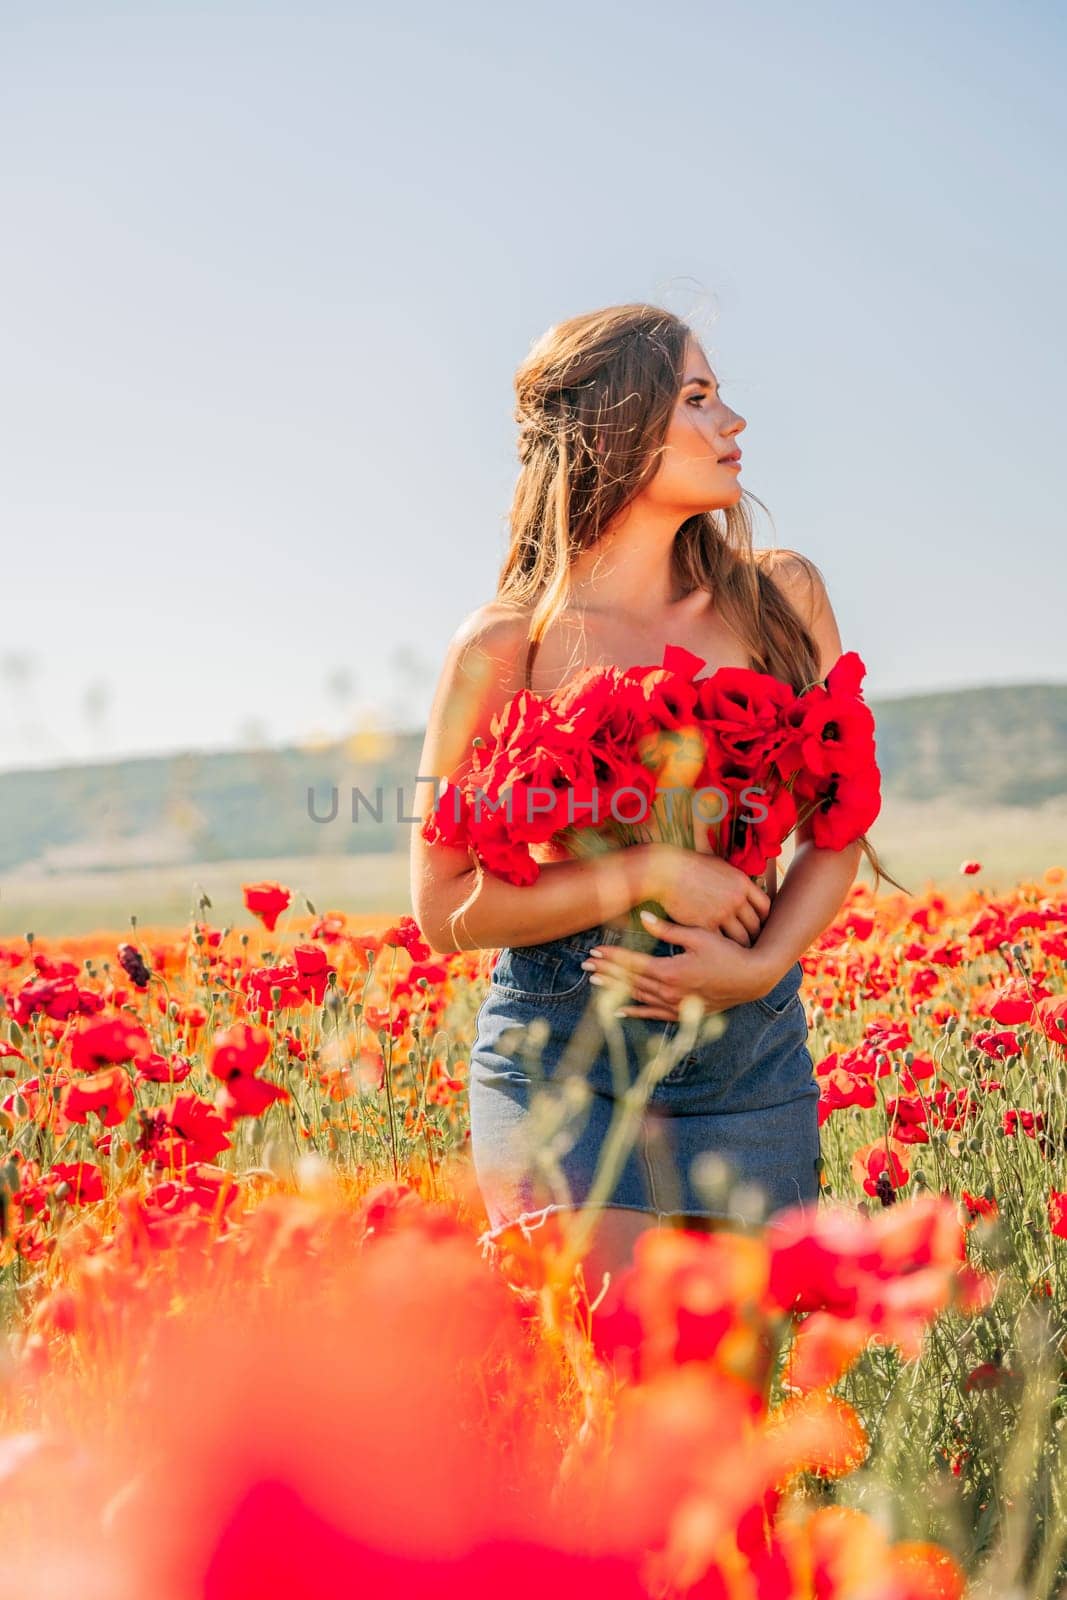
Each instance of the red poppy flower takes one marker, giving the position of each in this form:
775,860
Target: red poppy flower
266,901
159,1069
108,1093
248,1097
107,1041
874,1166
84,1180
235,1055
746,713
238,1049
1002,1046
1051,1017
978,1205
835,733
756,829
842,806
1057,1213
189,1129
908,1117
313,970
841,1088
988,1375
58,998
405,934
1010,1003
261,981
1031,1122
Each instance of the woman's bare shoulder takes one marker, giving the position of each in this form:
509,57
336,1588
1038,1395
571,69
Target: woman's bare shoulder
801,581
797,576
494,633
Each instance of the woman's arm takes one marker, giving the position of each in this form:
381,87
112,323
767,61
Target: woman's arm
456,904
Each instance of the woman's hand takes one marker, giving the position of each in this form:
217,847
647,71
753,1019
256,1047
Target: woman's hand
712,966
706,892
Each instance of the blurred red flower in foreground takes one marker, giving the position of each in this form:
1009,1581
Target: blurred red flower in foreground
370,1413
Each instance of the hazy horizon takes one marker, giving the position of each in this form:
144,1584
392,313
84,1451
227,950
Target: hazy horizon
371,732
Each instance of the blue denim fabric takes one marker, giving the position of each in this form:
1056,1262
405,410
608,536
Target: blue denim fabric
749,1095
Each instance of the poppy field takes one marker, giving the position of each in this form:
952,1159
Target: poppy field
253,1341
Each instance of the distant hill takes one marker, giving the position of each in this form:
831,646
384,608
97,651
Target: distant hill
1000,745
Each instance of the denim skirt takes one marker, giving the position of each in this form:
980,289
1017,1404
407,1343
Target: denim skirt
740,1108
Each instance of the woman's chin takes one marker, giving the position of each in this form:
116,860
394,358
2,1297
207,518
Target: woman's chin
721,500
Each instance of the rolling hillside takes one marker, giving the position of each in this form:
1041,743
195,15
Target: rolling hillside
1001,746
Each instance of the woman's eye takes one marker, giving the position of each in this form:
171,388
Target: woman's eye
696,400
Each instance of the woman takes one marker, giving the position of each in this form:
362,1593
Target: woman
629,530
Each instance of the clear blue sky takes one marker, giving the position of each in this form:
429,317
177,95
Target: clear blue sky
268,271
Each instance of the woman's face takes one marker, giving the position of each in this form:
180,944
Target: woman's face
703,429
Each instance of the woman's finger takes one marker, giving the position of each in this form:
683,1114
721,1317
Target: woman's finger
759,898
641,989
735,929
627,971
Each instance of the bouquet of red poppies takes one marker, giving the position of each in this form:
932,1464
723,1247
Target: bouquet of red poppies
731,762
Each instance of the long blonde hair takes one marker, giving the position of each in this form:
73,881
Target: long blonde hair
594,398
